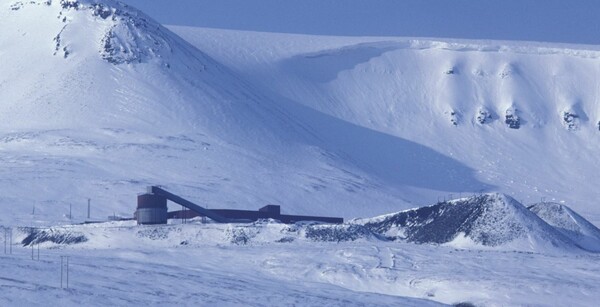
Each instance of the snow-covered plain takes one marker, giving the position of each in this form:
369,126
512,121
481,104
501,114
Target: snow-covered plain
171,277
97,101
208,264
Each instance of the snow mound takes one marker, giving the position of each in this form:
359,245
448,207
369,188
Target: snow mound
488,220
569,223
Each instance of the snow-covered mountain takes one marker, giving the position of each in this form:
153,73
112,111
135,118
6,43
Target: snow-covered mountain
98,101
321,125
350,126
521,117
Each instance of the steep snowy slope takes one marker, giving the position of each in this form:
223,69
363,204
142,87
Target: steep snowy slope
524,116
97,101
569,223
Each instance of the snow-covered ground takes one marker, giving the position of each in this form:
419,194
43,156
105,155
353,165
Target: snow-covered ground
208,276
208,264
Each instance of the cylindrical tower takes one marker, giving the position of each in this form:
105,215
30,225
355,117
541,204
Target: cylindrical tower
151,209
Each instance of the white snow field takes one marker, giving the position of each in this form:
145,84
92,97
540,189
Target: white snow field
210,264
171,277
98,101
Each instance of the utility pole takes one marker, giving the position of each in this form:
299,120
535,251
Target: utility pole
64,271
70,212
89,200
8,240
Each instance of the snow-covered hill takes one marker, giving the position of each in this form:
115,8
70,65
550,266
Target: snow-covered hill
490,220
98,101
522,117
569,223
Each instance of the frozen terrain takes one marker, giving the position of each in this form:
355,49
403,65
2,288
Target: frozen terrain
499,253
321,125
260,264
98,100
169,278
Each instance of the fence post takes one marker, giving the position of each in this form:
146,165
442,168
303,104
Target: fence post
67,272
61,272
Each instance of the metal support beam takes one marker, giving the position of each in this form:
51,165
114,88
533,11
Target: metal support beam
190,205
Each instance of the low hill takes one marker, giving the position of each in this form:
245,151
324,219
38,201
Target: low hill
487,221
569,223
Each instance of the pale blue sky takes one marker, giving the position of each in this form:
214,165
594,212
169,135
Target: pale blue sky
569,21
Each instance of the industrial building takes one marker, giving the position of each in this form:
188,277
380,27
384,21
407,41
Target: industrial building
152,209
